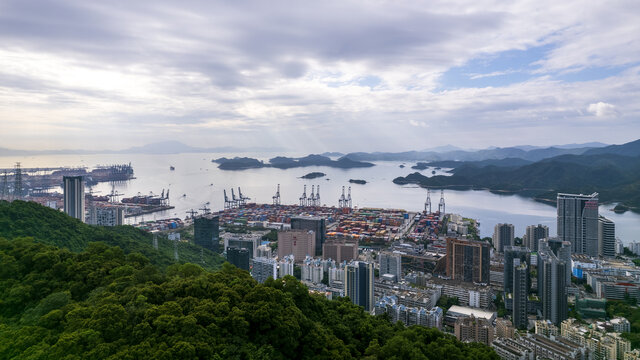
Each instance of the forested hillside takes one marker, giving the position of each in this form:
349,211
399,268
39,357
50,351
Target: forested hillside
104,304
28,219
615,177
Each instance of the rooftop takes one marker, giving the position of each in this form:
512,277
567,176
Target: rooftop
478,313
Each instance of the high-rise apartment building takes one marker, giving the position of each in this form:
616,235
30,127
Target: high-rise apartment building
285,266
340,250
578,222
299,243
206,232
503,235
520,295
533,234
562,250
391,263
514,256
552,286
358,284
73,187
109,215
312,270
264,269
315,224
238,257
243,241
468,260
606,237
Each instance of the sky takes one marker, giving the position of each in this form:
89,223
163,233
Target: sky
318,75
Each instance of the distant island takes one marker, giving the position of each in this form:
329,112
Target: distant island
613,172
281,162
238,163
313,175
420,166
357,181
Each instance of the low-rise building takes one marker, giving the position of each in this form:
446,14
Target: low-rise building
546,328
456,312
504,329
510,349
474,329
409,315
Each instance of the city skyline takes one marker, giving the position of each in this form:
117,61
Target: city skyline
331,76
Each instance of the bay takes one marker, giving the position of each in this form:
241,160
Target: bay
196,177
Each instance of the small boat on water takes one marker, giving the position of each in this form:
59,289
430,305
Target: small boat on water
171,168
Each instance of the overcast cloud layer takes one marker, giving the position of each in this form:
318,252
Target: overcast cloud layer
318,76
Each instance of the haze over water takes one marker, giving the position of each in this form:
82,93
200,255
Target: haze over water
195,173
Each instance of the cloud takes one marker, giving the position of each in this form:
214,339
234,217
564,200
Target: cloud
418,123
316,76
602,109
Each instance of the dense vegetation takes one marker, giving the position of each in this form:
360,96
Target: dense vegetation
28,219
631,312
615,177
104,304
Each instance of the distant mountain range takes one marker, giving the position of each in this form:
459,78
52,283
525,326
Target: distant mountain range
529,153
446,152
613,171
164,147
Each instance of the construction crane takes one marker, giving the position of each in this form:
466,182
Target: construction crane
243,199
114,196
227,203
303,198
193,213
235,200
349,198
205,209
276,197
441,204
312,199
342,201
318,195
427,204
